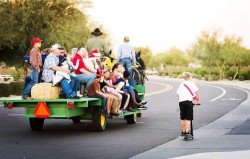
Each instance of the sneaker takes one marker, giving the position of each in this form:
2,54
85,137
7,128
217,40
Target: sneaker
188,137
79,94
109,116
143,102
27,97
74,97
130,109
142,107
183,134
103,112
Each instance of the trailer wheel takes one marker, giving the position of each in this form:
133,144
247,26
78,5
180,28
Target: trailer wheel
131,119
76,120
36,124
99,121
138,115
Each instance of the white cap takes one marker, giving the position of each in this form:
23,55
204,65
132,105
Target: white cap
57,46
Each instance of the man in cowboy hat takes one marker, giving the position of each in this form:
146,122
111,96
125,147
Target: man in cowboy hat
97,43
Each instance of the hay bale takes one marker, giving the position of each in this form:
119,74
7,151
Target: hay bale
45,91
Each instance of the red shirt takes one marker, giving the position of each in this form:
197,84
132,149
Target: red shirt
81,63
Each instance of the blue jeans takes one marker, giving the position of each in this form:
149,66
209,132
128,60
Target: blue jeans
128,65
86,78
77,84
34,76
103,99
69,88
128,89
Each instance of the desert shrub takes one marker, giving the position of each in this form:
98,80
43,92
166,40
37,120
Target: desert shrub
245,72
202,71
4,90
16,88
241,78
230,73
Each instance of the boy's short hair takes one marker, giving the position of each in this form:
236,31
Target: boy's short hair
116,66
186,75
126,74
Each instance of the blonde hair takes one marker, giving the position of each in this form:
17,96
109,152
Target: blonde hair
186,75
126,39
83,52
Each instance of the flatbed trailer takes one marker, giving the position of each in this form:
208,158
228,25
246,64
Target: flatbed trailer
75,109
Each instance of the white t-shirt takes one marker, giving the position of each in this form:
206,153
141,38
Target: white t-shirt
184,93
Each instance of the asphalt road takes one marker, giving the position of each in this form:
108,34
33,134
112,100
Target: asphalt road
159,124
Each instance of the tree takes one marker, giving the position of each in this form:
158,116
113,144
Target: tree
57,21
176,57
207,49
223,53
237,56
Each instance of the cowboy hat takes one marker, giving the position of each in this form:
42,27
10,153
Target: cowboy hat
96,32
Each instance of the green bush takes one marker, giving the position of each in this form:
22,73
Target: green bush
241,78
245,72
177,72
209,77
16,88
4,90
230,73
173,75
215,72
215,77
17,76
161,73
199,77
202,71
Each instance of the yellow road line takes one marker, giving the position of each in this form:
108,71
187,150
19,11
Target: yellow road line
165,89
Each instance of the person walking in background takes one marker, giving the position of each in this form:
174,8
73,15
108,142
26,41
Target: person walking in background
97,43
35,66
126,55
187,93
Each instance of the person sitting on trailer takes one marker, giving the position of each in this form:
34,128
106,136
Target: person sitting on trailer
122,84
95,91
51,66
83,74
107,87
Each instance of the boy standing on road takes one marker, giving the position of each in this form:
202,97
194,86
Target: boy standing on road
186,93
35,66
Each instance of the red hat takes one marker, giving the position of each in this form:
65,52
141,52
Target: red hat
95,53
99,72
35,40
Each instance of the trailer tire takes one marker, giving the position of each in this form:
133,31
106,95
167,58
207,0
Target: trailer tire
138,115
36,124
76,120
131,119
99,121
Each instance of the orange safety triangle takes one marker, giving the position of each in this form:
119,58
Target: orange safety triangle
42,110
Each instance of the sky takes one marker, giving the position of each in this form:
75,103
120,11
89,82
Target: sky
163,24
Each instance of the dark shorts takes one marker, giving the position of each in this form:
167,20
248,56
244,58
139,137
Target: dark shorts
186,110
